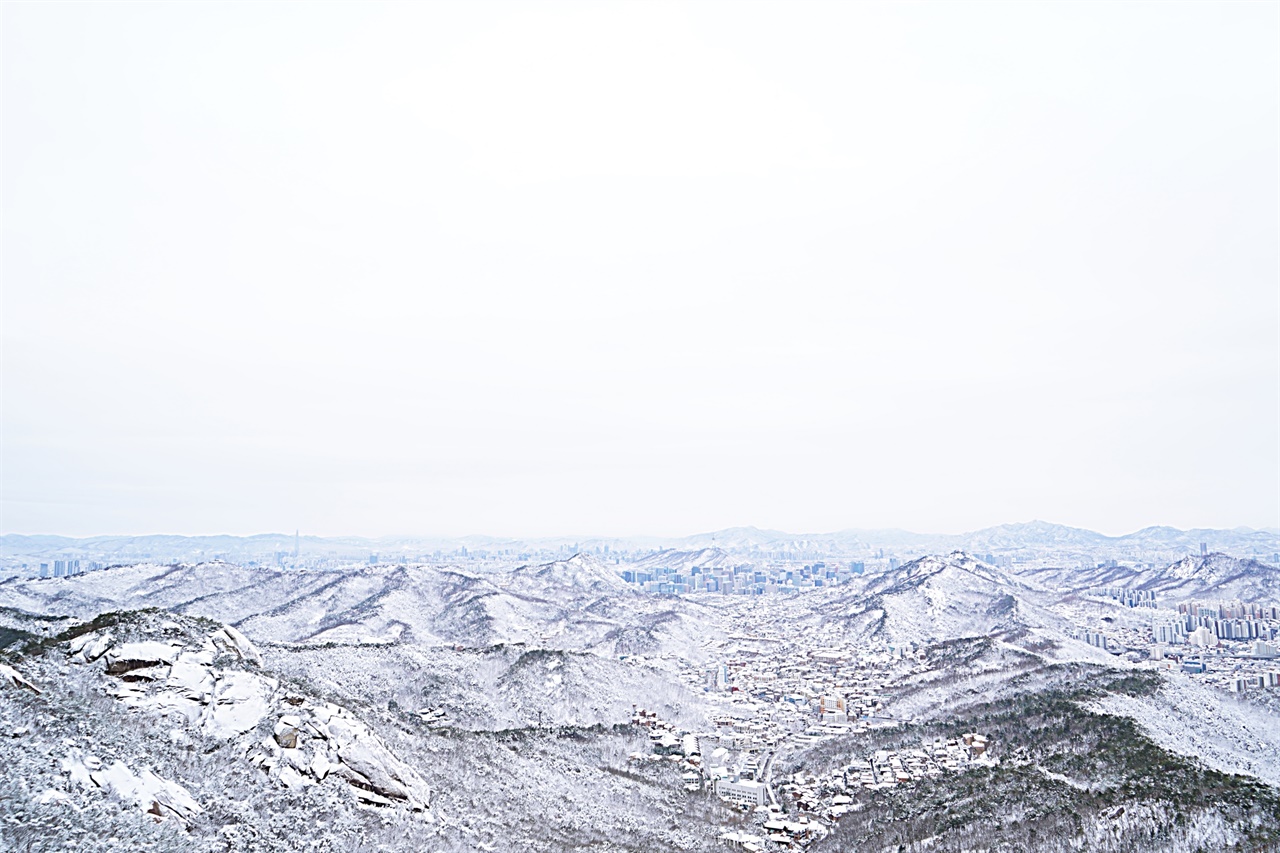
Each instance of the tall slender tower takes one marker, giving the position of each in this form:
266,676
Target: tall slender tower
295,543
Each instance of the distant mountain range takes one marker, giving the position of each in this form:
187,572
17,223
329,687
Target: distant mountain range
1214,575
1029,539
581,603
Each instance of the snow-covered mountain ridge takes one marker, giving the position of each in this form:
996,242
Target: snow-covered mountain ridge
938,599
581,603
1030,538
139,717
1214,575
386,693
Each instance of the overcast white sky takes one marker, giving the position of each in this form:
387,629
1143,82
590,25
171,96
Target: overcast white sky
612,268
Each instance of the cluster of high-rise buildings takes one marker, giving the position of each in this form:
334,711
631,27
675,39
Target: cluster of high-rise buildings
1230,610
66,568
1261,681
1097,639
1171,633
1207,624
1124,595
742,580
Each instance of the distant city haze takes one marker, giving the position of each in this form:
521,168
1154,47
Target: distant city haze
638,268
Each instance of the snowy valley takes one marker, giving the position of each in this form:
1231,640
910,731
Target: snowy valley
571,704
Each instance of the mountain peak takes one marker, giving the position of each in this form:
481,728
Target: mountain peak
581,571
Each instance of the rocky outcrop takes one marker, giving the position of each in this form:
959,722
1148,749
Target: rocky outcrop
287,732
312,742
144,789
240,701
145,655
230,639
203,680
14,678
89,647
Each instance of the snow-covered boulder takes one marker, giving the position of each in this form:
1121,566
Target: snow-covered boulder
190,677
145,789
372,761
241,700
14,678
131,656
158,796
326,740
98,647
286,732
77,644
232,640
320,766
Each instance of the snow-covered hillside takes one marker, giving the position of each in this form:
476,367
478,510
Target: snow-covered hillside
1216,575
151,731
936,599
1212,576
684,561
168,716
1190,719
581,603
424,706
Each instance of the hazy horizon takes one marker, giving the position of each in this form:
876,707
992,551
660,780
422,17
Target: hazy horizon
622,267
587,536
